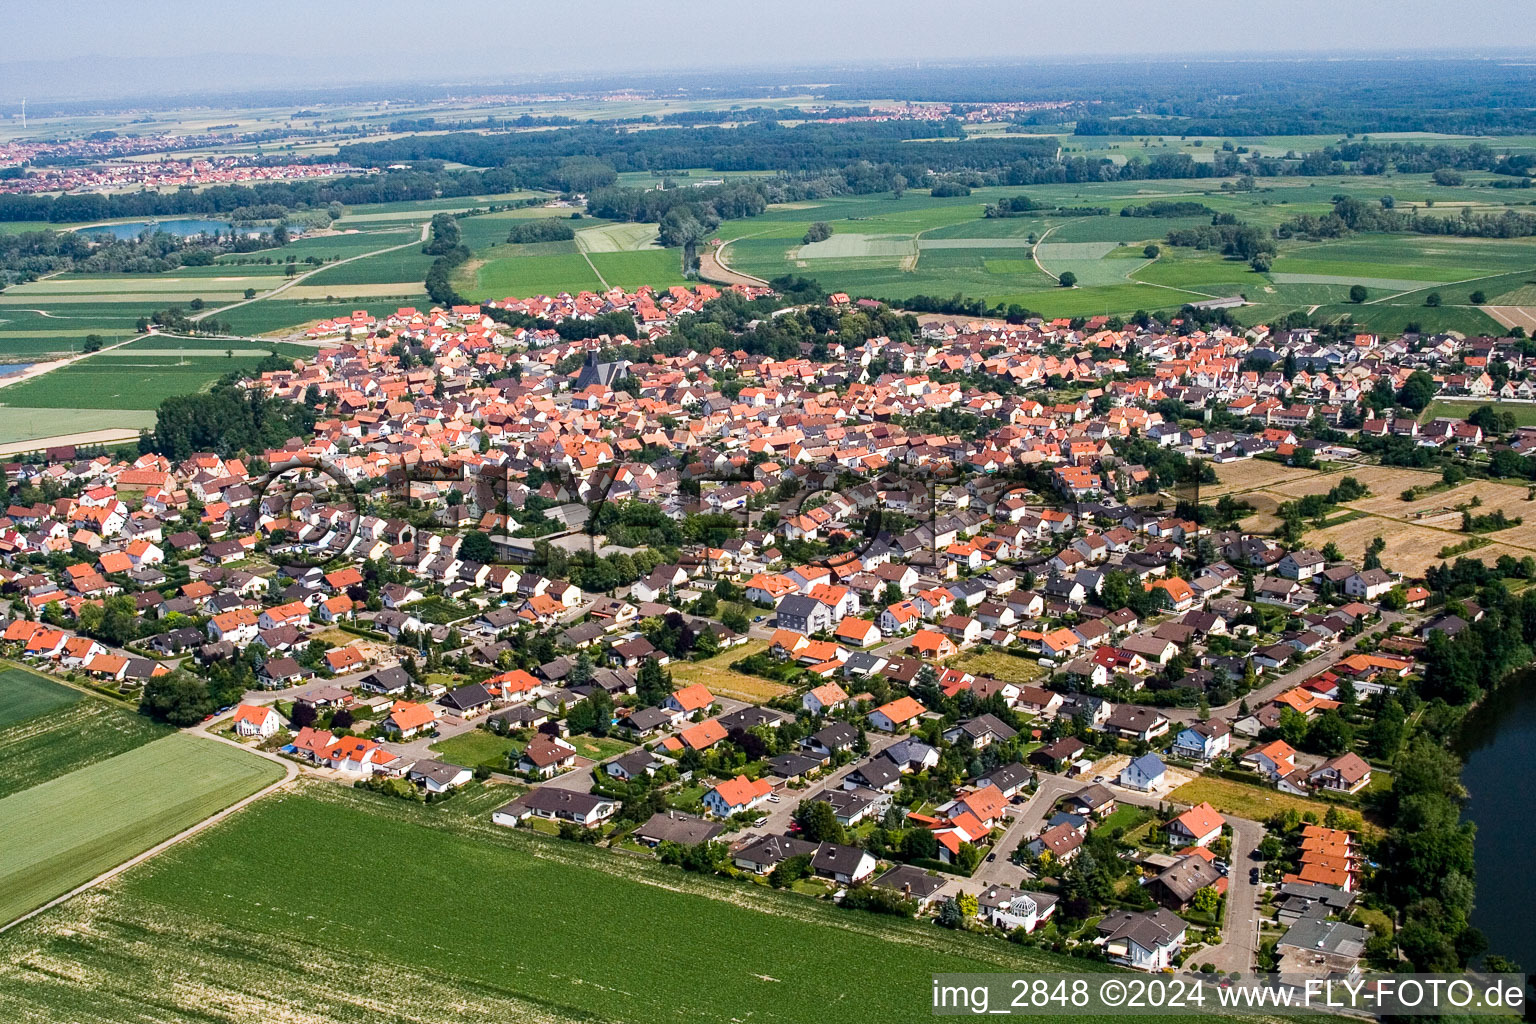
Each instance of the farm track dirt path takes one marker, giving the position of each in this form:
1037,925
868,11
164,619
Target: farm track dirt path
712,267
310,273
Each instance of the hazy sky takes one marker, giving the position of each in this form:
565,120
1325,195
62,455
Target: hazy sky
155,46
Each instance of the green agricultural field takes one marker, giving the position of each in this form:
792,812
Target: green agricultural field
407,264
422,209
126,378
1523,412
616,237
660,268
240,921
555,268
919,245
19,320
18,424
25,695
69,829
65,738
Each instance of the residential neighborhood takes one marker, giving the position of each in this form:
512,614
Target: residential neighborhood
783,630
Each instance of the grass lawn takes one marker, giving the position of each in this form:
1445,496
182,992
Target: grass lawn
716,674
24,695
476,747
69,829
988,661
599,748
233,921
1126,816
1523,412
1256,803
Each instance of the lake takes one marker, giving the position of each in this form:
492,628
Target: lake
1497,740
183,227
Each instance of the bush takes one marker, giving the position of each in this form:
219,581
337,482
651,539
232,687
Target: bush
817,232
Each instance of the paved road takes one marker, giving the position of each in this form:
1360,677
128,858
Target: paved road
1279,684
1240,931
1239,944
779,814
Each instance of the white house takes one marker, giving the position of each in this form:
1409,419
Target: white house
1145,940
824,698
1203,741
438,776
1368,584
1199,826
251,720
1144,774
736,795
1008,908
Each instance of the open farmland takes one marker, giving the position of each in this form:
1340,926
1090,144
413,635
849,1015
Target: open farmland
138,375
1523,412
920,245
72,827
19,424
25,695
70,731
603,253
234,925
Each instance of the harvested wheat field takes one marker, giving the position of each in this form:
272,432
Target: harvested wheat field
1380,480
1254,473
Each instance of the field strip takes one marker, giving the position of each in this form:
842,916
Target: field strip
425,228
110,435
1514,316
38,369
1402,285
1448,284
290,772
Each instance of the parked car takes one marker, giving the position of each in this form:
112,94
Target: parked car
760,822
1220,865
1253,876
991,857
